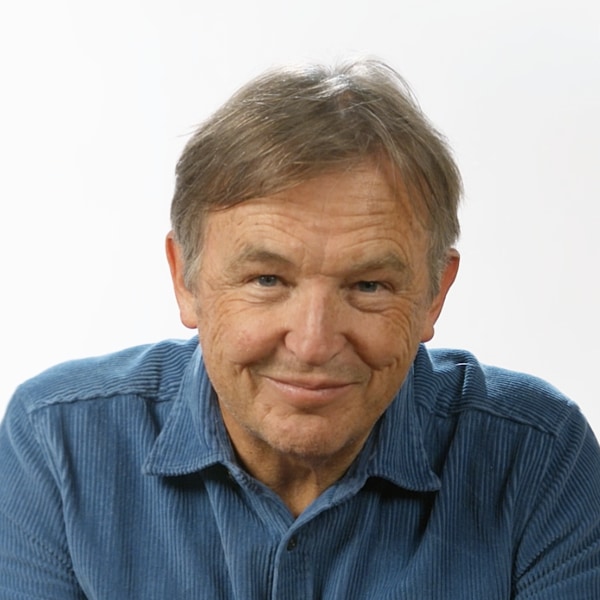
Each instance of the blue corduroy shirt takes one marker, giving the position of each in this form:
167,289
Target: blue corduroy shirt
118,481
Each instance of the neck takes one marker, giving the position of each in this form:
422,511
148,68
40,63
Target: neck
298,467
297,480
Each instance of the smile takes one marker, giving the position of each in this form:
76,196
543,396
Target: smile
306,392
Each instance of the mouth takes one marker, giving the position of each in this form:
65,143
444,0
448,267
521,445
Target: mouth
308,392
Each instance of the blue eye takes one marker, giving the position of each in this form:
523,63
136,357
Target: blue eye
267,280
368,286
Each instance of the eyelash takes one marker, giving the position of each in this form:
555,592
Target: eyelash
270,281
261,280
377,284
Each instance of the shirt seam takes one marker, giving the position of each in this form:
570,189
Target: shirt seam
59,401
498,415
47,549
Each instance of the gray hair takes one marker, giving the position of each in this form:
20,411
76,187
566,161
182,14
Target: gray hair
295,123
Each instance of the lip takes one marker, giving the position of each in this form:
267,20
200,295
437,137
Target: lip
306,392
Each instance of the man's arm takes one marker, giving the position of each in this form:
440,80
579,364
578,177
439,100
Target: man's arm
34,556
558,556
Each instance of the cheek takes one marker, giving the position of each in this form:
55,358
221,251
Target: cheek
389,341
233,336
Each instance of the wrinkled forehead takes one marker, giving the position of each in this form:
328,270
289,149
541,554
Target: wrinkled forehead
339,218
332,221
407,194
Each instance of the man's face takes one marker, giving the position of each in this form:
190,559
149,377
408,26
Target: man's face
310,305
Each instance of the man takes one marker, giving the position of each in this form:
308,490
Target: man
309,446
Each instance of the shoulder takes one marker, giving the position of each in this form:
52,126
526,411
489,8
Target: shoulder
153,371
451,382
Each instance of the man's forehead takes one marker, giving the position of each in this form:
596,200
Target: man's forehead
368,197
250,240
261,254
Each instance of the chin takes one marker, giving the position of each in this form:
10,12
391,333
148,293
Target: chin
317,445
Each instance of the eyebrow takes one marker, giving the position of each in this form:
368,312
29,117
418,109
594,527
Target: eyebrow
390,260
252,254
258,256
387,261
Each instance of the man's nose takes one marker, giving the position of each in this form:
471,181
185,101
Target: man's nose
315,331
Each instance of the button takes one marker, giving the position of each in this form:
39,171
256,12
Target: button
292,543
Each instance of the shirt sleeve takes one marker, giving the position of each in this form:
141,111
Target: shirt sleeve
34,556
558,554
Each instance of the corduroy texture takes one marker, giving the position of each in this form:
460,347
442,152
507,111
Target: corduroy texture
117,481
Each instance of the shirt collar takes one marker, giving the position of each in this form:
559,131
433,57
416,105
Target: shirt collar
194,437
397,450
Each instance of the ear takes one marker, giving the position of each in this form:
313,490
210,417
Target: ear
185,298
446,281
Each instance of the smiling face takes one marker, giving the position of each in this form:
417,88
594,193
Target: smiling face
310,305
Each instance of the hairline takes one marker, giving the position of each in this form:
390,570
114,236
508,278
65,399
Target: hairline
376,115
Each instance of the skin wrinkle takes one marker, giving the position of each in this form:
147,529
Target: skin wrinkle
407,195
316,326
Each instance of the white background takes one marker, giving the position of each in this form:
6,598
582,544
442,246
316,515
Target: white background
98,98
